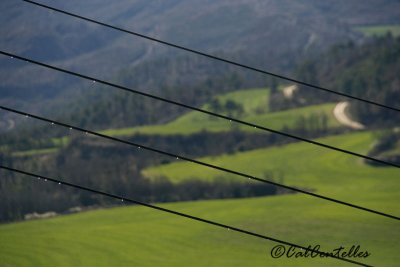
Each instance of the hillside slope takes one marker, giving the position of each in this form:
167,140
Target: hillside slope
246,29
301,164
139,236
249,105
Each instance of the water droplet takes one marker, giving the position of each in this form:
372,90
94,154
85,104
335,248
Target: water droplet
52,123
45,180
122,200
59,183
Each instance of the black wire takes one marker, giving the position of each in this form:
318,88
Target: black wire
211,56
176,213
198,109
197,162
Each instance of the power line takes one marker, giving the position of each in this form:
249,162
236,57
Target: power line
186,215
211,56
53,122
120,87
124,199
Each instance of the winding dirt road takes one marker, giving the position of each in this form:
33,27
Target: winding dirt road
341,116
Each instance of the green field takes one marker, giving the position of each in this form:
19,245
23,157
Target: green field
137,236
35,152
380,30
56,142
303,165
255,102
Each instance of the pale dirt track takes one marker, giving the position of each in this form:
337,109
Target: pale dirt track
340,114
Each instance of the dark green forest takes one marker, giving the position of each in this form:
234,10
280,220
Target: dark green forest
370,71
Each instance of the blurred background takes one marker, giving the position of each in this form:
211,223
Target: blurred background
351,47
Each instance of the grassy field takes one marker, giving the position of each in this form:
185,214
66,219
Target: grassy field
194,122
136,236
191,122
380,30
302,165
56,142
255,102
35,152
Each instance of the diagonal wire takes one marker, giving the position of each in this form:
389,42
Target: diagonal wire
198,162
195,218
120,87
211,56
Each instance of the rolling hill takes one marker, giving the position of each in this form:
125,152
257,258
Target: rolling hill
253,106
139,236
283,36
302,165
248,31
